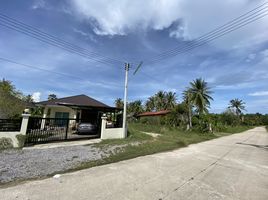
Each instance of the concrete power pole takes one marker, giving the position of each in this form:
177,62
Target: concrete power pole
125,101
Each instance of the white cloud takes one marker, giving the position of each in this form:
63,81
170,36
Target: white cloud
120,17
38,4
259,93
84,34
36,96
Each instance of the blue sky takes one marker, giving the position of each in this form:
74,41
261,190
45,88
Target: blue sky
235,66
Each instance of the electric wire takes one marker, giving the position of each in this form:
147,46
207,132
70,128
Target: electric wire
46,70
216,33
54,41
189,48
221,27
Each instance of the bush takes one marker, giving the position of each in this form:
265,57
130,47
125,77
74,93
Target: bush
21,140
5,143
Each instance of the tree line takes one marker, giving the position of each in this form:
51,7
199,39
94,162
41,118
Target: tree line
193,110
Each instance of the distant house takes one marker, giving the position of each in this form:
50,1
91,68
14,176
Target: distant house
154,114
152,117
80,107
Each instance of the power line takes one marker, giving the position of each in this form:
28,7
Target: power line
231,26
189,48
33,32
42,69
218,29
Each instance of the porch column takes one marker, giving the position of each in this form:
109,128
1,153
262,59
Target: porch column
24,123
103,125
44,116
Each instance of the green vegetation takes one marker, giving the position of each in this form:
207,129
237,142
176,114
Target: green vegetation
140,144
5,143
192,114
11,104
21,140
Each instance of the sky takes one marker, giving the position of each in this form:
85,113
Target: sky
235,65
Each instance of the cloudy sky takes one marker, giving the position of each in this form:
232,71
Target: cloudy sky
114,32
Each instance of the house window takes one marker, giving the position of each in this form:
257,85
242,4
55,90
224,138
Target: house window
62,118
62,115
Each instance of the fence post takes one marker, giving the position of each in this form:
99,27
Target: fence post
67,129
24,123
103,125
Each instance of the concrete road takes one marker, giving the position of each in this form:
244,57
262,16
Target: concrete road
232,167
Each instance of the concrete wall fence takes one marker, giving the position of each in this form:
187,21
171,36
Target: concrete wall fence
13,139
16,139
110,133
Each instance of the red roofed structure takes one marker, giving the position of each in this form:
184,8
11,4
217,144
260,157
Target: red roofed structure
158,113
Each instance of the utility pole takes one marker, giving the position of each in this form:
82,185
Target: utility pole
125,101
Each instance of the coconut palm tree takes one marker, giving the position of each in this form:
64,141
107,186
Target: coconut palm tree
238,105
150,104
135,107
187,98
160,100
170,100
200,95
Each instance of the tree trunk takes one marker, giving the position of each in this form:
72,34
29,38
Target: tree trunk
190,118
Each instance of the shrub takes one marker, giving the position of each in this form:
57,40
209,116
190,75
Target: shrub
5,143
21,140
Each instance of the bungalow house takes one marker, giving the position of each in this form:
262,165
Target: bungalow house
82,108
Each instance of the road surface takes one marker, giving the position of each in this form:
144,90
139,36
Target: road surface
232,167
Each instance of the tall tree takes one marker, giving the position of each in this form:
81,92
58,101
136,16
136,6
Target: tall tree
170,100
200,95
238,105
187,98
160,100
119,103
28,98
7,87
10,106
52,96
150,104
135,107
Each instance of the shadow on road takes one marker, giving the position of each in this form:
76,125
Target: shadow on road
255,145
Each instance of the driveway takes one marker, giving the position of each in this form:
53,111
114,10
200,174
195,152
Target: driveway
232,167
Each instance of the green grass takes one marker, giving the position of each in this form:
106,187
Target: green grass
237,129
169,139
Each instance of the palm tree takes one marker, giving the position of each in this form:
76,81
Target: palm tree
135,107
170,100
160,100
119,103
187,98
150,104
200,95
238,105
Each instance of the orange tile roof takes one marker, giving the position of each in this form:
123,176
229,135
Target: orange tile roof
162,112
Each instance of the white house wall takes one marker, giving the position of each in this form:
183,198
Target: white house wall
53,110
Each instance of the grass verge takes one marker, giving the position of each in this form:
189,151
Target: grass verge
169,139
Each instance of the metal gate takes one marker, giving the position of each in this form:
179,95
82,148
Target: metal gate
43,130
